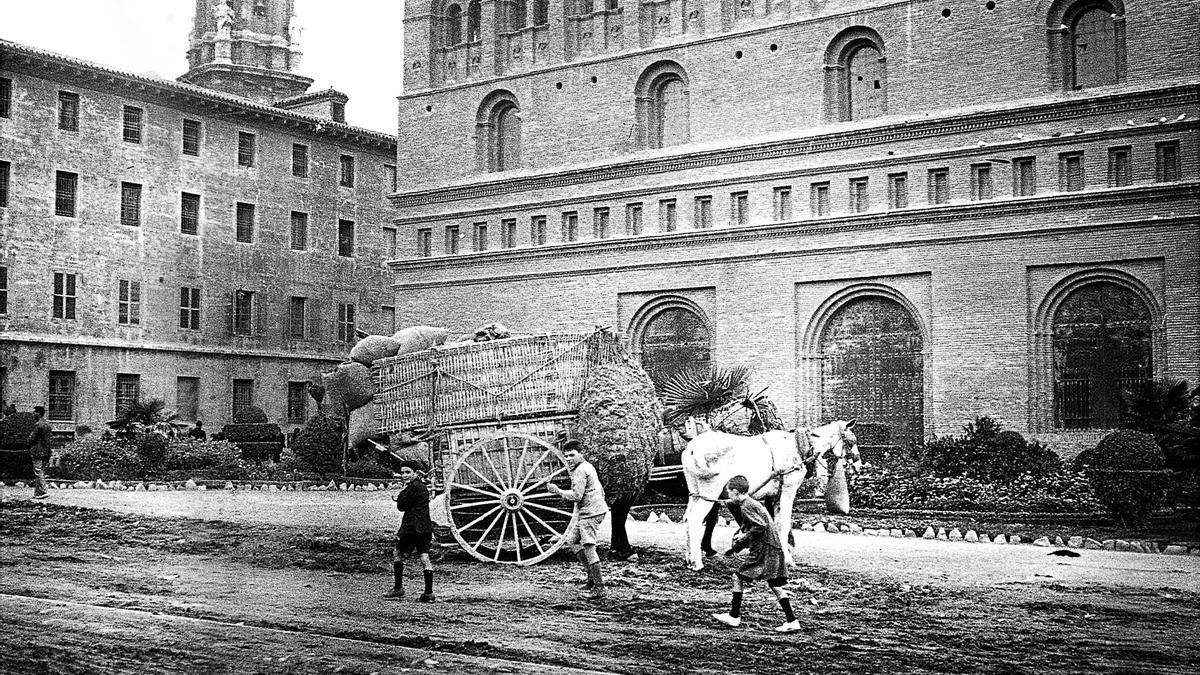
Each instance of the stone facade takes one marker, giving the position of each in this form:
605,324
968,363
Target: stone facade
958,168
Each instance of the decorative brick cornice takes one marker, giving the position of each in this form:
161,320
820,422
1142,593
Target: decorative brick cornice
858,137
42,339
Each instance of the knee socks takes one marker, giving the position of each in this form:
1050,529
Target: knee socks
398,573
786,604
429,582
735,609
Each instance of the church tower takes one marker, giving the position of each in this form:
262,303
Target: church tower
249,48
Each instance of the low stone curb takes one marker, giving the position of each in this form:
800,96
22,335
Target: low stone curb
341,485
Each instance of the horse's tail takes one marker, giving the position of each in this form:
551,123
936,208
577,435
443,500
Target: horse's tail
693,461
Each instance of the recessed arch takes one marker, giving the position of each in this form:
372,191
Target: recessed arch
855,66
498,132
1085,42
671,333
661,106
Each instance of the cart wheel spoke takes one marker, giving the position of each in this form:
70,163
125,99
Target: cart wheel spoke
488,530
485,515
487,456
557,533
484,478
466,505
500,539
529,530
533,467
551,509
545,479
472,488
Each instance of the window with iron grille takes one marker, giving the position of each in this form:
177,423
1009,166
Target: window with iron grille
538,230
131,204
65,185
981,182
570,226
5,168
389,318
189,308
346,175
389,243
189,213
245,223
5,97
860,200
600,225
818,199
782,203
191,137
1166,162
389,177
633,219
451,239
129,302
243,312
508,233
479,237
245,154
939,186
298,318
64,295
3,290
131,127
898,191
299,231
243,397
739,208
1024,177
62,396
299,160
345,322
703,213
297,402
1120,166
346,238
425,242
68,111
129,390
668,218
187,398
1070,171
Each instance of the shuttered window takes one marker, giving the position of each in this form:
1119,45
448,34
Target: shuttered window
65,186
299,160
129,302
189,213
245,223
1070,172
68,111
131,204
189,308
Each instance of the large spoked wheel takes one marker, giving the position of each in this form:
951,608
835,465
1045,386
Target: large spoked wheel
500,509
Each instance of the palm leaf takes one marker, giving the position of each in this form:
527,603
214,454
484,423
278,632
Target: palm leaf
695,393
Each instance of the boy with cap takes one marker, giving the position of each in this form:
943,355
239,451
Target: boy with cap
590,509
416,529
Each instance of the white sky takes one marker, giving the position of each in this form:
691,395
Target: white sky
353,45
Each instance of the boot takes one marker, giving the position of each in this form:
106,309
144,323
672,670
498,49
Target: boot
398,585
587,569
597,592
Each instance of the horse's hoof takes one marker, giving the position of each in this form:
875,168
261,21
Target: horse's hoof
697,568
708,553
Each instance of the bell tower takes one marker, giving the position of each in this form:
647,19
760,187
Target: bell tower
248,48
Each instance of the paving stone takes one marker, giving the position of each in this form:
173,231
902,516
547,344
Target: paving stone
1058,541
1176,549
1000,539
1092,544
855,529
1109,544
971,536
929,533
1042,541
954,535
806,527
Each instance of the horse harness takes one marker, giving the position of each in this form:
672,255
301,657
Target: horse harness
803,447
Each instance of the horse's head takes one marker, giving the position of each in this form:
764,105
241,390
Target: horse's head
835,442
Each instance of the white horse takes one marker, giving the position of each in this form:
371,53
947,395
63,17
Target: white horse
773,463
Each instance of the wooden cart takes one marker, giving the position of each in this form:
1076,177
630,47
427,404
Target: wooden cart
491,413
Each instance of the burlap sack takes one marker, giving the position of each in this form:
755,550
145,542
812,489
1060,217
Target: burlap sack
350,385
837,492
362,424
374,347
416,338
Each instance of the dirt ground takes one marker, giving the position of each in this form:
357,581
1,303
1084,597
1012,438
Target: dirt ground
117,582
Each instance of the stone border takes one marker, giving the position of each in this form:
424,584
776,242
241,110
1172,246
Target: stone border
341,484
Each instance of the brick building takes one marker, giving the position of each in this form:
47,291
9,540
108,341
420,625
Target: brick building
212,242
911,212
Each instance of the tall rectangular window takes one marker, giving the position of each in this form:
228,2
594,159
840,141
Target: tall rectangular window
479,237
5,97
389,243
425,242
538,231
739,208
5,169
703,215
600,223
981,182
64,295
243,397
131,124
131,204
346,174
633,219
570,226
1070,172
781,198
68,111
65,186
337,110
860,200
297,402
508,233
129,390
299,160
189,308
129,302
189,213
1166,162
245,223
389,177
299,231
1024,176
297,318
245,154
62,396
187,398
3,290
1120,166
668,219
243,312
191,137
346,238
939,186
451,239
898,191
345,322
389,318
818,199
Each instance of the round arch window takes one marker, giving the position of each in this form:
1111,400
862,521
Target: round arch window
675,340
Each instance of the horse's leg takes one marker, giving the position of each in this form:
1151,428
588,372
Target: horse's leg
710,524
783,518
695,528
619,542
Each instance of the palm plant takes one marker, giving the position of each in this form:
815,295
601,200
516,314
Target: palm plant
1171,413
697,393
146,415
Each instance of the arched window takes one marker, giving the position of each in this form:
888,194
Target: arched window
453,25
662,106
855,75
473,21
1102,344
516,15
1086,43
541,12
498,130
674,339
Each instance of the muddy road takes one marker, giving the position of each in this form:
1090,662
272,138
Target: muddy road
111,582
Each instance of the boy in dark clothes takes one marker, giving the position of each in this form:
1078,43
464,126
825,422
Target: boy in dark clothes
416,529
764,559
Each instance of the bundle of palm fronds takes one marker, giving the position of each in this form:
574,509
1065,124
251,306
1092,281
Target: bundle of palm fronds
692,393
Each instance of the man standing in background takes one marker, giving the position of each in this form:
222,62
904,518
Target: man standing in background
39,452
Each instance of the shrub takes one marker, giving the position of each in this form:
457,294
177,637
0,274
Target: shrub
1127,472
151,448
1166,409
250,415
259,442
15,430
92,458
368,468
988,454
192,455
318,446
1062,491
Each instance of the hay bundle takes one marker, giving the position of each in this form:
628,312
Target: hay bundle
619,424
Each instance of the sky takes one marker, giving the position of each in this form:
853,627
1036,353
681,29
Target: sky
352,45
